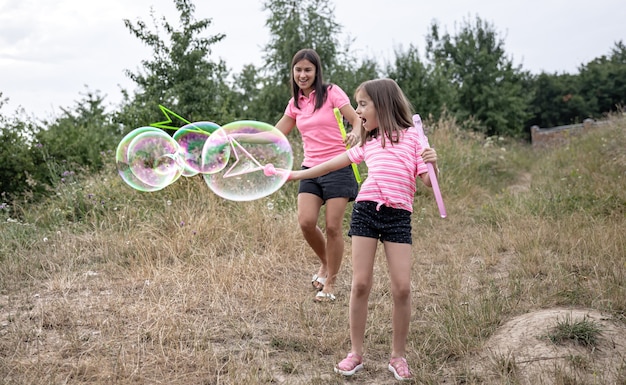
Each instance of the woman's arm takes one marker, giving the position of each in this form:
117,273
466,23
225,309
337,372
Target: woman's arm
340,161
285,124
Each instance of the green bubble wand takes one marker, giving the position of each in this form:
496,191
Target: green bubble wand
343,135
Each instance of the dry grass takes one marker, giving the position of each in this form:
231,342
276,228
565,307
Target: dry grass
107,285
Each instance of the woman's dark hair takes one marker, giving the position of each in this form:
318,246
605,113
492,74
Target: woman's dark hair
321,88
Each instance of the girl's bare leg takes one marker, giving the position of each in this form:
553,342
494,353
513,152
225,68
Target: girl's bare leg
399,262
363,256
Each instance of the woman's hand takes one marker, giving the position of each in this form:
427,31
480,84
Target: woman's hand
352,139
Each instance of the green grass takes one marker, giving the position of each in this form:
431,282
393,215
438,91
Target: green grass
583,332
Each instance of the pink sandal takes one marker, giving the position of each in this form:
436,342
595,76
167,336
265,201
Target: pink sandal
400,369
349,365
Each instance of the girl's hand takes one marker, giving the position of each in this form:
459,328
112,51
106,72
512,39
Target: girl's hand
429,155
270,170
294,175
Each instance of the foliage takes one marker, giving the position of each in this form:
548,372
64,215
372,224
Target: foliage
603,81
488,87
424,84
557,100
80,135
179,75
585,332
466,76
17,164
294,25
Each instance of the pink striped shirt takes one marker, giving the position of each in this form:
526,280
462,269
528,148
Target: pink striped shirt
391,171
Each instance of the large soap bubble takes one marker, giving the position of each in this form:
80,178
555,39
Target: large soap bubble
191,139
239,153
147,159
123,162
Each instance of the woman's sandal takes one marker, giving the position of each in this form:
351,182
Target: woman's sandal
400,369
318,282
349,365
324,297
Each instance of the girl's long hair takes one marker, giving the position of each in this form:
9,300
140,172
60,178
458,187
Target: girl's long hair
321,88
393,109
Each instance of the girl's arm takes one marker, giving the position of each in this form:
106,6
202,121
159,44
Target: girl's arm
354,136
429,155
333,164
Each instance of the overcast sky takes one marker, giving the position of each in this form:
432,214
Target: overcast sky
51,51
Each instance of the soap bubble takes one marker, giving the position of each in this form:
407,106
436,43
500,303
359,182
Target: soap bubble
191,139
249,146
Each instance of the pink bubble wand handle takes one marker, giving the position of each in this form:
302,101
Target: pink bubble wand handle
417,122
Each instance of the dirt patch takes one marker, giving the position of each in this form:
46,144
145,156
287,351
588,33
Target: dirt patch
522,351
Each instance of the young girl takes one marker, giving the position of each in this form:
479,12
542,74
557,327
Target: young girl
311,110
382,211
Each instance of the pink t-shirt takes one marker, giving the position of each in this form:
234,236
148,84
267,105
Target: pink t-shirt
391,171
320,132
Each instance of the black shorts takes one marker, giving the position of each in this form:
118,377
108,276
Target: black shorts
387,224
337,184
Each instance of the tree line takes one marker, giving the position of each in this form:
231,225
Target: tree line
466,75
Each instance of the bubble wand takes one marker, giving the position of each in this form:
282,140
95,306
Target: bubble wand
343,135
417,122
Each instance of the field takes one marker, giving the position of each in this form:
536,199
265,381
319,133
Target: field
523,283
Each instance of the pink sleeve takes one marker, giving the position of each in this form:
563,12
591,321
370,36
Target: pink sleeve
289,110
355,154
337,96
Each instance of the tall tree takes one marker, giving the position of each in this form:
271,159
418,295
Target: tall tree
295,25
557,100
179,74
424,84
603,81
490,90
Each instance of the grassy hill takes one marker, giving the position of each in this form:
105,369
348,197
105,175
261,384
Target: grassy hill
103,284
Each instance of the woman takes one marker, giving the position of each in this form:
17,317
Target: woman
311,110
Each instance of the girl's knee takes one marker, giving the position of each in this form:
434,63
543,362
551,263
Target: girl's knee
401,294
361,288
